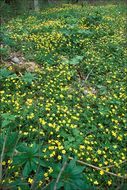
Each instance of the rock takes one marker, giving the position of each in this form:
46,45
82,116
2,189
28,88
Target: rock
15,60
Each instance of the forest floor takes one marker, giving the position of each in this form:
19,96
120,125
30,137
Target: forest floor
63,96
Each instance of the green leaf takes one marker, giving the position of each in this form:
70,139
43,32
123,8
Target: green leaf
12,137
67,186
22,147
33,165
4,73
19,183
5,123
27,169
41,162
71,165
8,118
78,170
28,77
20,159
76,60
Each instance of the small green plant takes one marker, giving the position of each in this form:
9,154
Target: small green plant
4,73
69,176
28,77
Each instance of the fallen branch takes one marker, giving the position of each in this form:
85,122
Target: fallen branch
97,168
89,74
1,157
59,175
110,166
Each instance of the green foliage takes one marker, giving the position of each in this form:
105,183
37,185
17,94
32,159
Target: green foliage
28,157
94,19
4,73
76,60
7,119
72,105
71,178
28,77
4,52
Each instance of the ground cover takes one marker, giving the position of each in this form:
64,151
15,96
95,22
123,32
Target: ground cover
72,106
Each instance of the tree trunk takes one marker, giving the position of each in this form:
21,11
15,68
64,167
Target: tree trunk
36,5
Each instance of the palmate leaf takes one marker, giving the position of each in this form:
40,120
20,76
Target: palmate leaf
4,73
7,119
72,177
28,158
28,77
19,183
29,150
75,60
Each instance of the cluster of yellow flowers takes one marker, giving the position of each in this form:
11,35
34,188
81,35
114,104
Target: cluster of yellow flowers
70,115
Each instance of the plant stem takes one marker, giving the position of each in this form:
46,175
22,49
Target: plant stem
97,168
1,157
59,175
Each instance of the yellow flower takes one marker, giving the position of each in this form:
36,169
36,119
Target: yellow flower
63,151
3,163
95,160
40,183
59,157
101,172
30,180
99,151
9,161
50,170
106,162
16,174
46,174
109,182
61,96
30,116
42,121
107,169
96,182
29,102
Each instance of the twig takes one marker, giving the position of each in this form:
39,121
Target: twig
39,152
59,175
89,74
47,185
20,74
110,166
97,168
1,157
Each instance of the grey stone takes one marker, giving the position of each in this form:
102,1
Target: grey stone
15,60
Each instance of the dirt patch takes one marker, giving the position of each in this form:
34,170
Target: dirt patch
18,63
24,66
